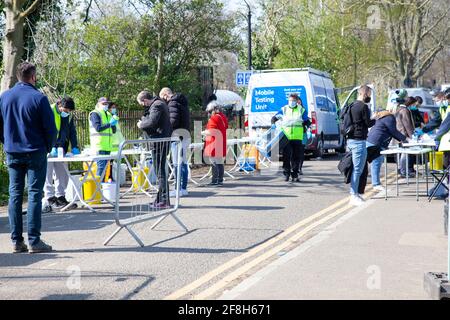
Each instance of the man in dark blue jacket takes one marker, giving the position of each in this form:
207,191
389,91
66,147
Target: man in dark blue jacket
28,132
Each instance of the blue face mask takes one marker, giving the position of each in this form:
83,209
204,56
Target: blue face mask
445,103
64,114
113,111
414,108
292,104
105,107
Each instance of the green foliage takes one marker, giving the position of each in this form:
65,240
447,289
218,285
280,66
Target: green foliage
118,55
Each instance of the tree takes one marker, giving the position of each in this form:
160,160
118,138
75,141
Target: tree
417,31
16,11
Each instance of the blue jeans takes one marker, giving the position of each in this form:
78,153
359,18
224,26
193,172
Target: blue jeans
34,167
376,167
359,156
101,165
184,167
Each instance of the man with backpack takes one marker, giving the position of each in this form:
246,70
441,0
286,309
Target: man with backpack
355,124
181,123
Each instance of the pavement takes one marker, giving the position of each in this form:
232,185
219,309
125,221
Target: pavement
379,251
245,241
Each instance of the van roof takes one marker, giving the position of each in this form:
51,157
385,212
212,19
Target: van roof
310,70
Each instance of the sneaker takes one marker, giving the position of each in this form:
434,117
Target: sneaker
220,184
61,202
41,247
356,201
287,178
20,247
379,188
212,184
183,193
159,205
296,180
47,209
52,201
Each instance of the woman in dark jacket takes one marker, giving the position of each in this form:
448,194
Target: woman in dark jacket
380,136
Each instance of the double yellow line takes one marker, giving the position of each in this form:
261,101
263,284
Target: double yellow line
289,236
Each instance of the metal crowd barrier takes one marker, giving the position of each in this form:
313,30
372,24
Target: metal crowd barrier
134,209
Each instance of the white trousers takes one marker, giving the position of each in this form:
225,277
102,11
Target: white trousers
56,173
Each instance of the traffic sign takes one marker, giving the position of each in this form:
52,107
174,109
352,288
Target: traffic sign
243,78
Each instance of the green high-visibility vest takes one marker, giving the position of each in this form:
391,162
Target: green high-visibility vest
117,139
57,118
101,141
444,111
295,131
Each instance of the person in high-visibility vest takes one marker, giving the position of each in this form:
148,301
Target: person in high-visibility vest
443,136
102,127
440,115
57,172
293,117
117,137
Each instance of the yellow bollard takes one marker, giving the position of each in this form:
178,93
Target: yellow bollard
89,188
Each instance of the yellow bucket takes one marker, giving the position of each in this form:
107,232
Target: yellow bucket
94,170
139,178
251,152
437,162
89,188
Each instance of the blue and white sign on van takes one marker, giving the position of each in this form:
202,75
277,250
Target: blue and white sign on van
272,99
243,78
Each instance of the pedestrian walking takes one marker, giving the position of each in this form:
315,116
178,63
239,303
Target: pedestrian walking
28,132
380,136
293,116
359,113
57,171
216,142
102,127
181,123
155,122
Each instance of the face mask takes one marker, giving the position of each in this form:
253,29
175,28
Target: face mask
445,103
64,114
105,107
414,108
114,111
367,99
292,104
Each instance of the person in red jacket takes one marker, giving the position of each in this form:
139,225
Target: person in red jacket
216,142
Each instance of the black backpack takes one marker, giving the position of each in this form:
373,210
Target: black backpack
347,126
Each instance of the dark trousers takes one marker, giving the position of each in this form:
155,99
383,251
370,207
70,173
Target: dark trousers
32,166
293,153
160,152
218,170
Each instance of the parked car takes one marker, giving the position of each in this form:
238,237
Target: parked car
428,109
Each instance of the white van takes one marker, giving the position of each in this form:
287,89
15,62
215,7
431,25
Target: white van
269,90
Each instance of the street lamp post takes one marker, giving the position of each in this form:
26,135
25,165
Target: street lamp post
249,21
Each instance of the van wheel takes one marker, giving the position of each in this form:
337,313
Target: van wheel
320,150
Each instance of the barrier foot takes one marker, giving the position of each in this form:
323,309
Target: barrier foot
112,236
134,235
437,286
179,222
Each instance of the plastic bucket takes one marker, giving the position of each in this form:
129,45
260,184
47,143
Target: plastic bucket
122,173
109,191
437,162
89,189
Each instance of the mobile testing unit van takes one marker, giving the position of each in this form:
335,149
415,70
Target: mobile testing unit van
269,91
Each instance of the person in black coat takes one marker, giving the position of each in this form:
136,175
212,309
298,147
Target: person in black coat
181,122
155,123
